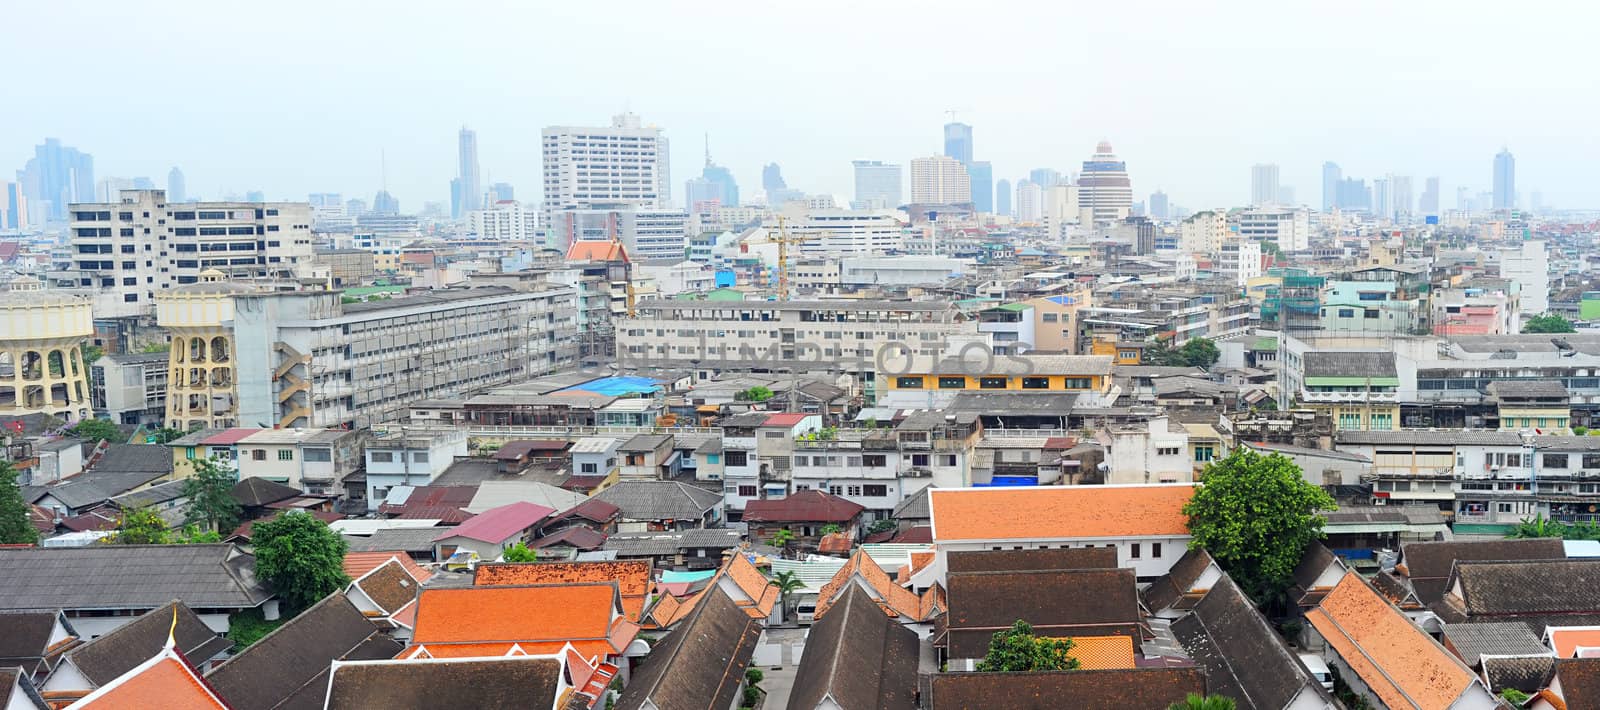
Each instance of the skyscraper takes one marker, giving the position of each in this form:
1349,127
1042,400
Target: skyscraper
1430,198
727,189
1158,205
1354,195
467,191
1030,202
56,176
980,174
1463,198
958,141
1002,198
385,203
1382,199
1403,203
772,179
502,192
1263,184
877,184
176,191
13,206
1505,180
635,157
1104,188
1331,175
1045,178
940,180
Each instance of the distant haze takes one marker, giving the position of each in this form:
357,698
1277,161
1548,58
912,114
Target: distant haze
292,97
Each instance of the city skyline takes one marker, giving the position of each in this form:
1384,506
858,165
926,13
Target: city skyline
288,154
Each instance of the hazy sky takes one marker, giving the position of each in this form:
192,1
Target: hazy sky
292,97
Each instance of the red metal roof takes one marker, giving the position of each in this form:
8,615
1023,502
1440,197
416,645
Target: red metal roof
805,506
499,524
785,419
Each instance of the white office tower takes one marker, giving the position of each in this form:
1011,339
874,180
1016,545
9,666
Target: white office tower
940,180
1287,227
625,163
506,219
1062,210
1030,202
1529,265
1103,187
877,185
1263,184
130,250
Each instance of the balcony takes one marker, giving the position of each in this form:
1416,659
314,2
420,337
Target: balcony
1314,397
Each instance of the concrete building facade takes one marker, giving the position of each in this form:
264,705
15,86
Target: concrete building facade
42,334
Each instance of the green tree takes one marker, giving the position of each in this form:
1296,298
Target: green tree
155,347
141,526
1538,526
1199,352
300,557
92,353
16,526
191,534
884,525
756,394
1256,515
98,430
782,538
831,529
1548,323
787,582
1513,696
165,435
210,494
1196,701
520,552
1016,650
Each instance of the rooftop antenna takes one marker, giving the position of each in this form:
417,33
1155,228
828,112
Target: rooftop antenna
708,149
383,169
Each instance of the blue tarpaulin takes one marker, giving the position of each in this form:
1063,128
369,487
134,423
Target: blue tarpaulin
617,386
1009,481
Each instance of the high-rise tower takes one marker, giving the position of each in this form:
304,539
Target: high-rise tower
1104,189
1505,180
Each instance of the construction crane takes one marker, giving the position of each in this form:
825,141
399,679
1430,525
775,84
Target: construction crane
784,241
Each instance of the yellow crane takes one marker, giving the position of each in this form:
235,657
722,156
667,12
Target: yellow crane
784,240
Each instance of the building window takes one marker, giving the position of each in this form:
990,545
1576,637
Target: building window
1075,383
420,457
738,458
382,456
258,455
1133,551
589,468
908,383
318,455
1382,422
1167,451
919,460
713,458
1350,421
1555,460
947,459
952,383
188,452
992,383
853,490
1347,312
836,490
875,490
1048,317
285,454
747,491
1035,383
1203,454
1155,550
874,460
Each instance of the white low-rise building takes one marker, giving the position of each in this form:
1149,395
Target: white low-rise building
409,458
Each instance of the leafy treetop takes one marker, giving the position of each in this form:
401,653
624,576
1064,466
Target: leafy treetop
300,557
98,430
210,495
1548,323
16,526
520,552
1016,650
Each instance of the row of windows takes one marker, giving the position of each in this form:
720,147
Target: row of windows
952,382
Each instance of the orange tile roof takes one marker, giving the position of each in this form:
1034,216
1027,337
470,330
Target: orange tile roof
596,250
1055,512
756,594
1566,640
933,602
162,682
1095,653
515,614
633,577
895,599
357,564
1402,665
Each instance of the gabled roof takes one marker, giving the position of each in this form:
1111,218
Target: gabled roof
1098,653
125,647
660,500
128,577
701,663
1315,561
593,510
1044,690
1566,640
165,680
256,491
92,488
894,599
391,586
749,589
1580,682
1242,655
785,419
499,524
1060,512
1176,588
1523,587
445,684
517,449
538,618
857,658
1428,564
1471,642
596,250
632,577
1403,666
1529,674
805,506
1104,601
1320,363
14,681
357,564
492,494
577,537
146,458
288,668
25,638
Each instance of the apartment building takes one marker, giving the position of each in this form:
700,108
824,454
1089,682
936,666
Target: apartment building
130,250
506,220
833,232
1288,228
406,457
313,460
934,382
1239,261
626,162
846,334
306,359
1358,389
756,451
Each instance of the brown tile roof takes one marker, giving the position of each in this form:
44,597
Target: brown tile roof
576,537
1402,665
1510,588
701,663
895,599
288,668
1022,560
1176,588
1428,564
1241,654
25,638
445,684
1059,512
633,577
803,507
1303,590
390,586
593,510
1056,602
254,491
1528,674
135,642
1580,682
858,657
1141,688
357,564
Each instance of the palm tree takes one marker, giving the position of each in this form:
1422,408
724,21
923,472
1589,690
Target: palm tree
782,538
1195,701
787,583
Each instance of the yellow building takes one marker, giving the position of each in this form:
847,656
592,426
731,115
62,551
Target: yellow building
1534,406
1122,352
201,384
933,382
41,352
1055,320
221,444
